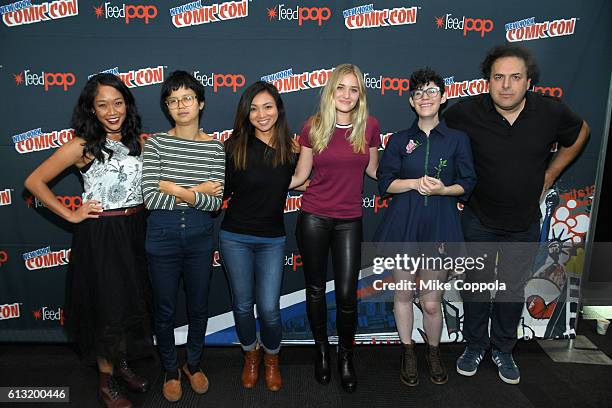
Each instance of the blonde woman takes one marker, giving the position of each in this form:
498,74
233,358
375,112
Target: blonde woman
341,143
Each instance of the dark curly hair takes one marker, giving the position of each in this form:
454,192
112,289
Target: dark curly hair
89,128
424,76
511,50
175,81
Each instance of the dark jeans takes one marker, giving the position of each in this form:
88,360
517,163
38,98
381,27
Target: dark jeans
316,235
515,252
254,266
179,244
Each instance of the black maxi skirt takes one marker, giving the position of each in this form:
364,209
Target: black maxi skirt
108,294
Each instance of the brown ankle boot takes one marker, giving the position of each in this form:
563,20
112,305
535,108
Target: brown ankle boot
437,372
409,373
110,393
250,371
273,376
133,381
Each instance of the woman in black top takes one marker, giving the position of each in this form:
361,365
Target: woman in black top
260,161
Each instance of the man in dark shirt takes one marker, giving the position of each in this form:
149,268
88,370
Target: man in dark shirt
512,132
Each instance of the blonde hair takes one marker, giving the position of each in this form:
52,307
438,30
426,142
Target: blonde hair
323,123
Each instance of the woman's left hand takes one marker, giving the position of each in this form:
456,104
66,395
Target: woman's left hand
431,186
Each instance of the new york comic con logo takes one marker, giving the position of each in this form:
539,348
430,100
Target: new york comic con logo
459,89
9,311
300,14
126,12
367,17
221,135
287,81
384,140
527,29
47,80
35,140
6,197
24,12
138,77
45,258
293,203
465,24
195,13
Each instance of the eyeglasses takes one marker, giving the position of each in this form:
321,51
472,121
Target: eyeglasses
187,101
431,92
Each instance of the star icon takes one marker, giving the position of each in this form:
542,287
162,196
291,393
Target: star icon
18,78
439,21
99,12
272,13
29,201
37,314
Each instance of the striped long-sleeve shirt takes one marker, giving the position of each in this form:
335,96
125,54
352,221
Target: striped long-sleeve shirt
184,162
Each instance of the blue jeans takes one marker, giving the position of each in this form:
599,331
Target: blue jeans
254,266
179,244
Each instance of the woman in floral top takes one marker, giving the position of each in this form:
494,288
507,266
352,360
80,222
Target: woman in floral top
107,298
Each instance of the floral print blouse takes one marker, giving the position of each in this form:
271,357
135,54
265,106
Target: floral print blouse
116,182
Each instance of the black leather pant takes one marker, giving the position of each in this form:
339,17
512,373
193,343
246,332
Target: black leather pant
316,235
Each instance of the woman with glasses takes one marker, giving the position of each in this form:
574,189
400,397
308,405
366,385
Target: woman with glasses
341,143
182,184
107,288
426,168
260,163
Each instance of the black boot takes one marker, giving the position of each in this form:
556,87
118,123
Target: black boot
346,369
437,372
408,371
322,363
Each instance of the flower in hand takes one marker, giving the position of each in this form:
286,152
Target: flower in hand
440,167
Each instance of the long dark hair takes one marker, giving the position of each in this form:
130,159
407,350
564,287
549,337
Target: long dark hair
89,128
243,129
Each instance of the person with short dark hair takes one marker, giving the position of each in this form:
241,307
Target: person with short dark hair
108,292
427,168
260,161
512,131
182,184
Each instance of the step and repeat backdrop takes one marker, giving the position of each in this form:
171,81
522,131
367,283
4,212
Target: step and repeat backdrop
49,49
